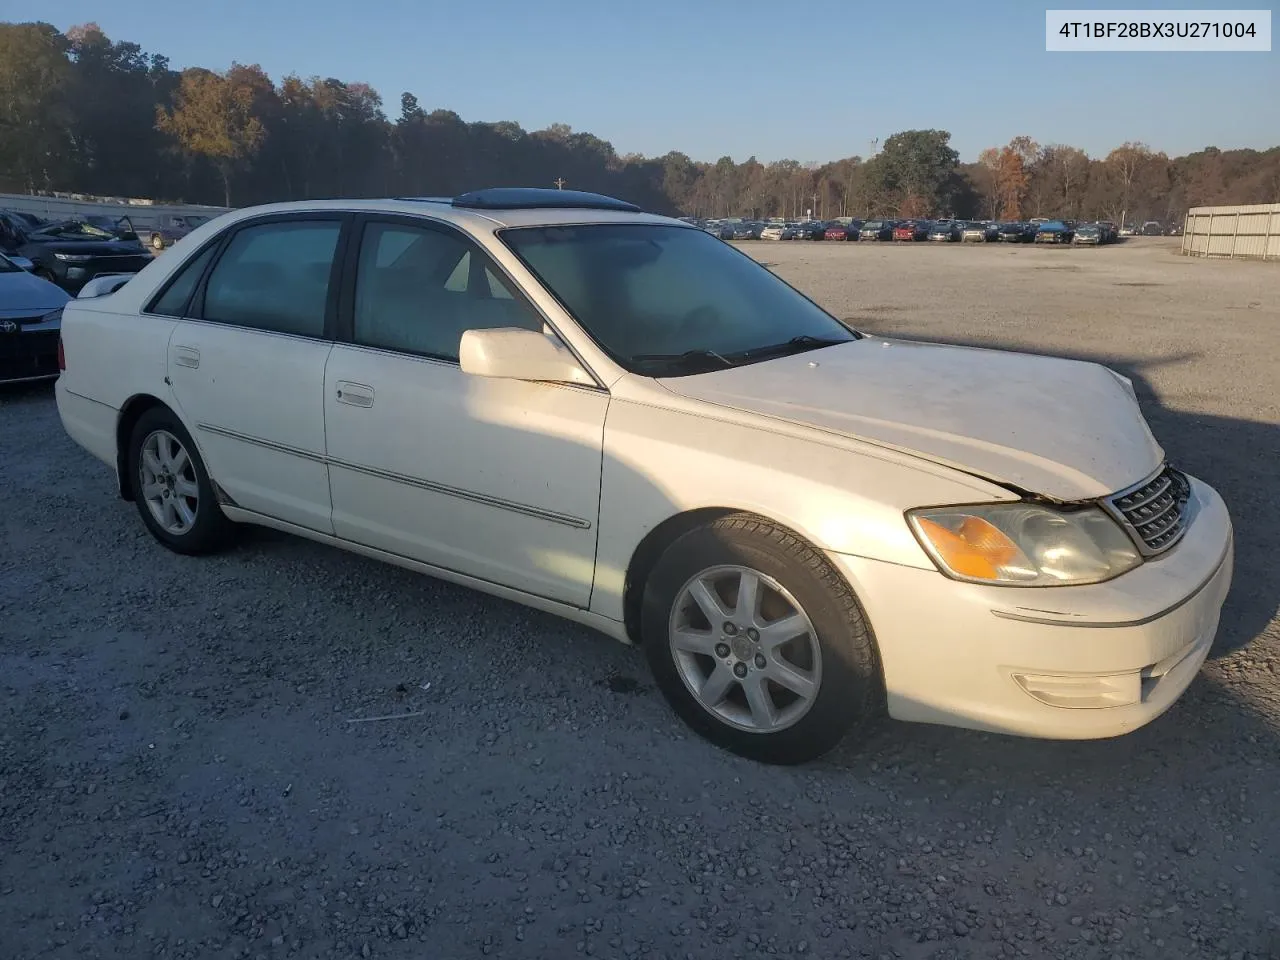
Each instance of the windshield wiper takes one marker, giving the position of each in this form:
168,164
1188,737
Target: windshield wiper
794,345
698,357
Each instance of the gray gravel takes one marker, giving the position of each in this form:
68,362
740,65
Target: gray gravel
179,776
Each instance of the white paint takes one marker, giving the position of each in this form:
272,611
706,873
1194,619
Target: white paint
541,492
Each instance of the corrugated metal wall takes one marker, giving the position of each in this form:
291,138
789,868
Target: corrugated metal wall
52,208
1248,232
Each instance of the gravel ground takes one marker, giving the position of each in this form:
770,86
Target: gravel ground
180,776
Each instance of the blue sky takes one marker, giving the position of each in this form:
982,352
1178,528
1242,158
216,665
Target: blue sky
810,80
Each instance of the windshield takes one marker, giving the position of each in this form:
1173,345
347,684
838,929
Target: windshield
665,300
76,230
8,266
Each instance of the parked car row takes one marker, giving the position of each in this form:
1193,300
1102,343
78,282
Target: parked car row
70,253
946,230
42,265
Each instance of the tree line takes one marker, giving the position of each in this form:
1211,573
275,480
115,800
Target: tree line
81,112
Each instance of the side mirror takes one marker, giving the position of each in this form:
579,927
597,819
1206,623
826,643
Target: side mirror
103,284
22,262
514,353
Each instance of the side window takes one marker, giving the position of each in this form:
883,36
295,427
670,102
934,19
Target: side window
419,289
275,276
173,301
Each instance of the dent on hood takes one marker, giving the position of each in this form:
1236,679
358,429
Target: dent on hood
1062,430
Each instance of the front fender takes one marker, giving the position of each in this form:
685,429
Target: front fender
659,463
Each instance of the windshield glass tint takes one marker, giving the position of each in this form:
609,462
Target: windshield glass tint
649,293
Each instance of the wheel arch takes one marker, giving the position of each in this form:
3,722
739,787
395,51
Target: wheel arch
657,540
646,555
130,413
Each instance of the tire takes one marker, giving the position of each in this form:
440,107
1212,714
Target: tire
833,650
202,527
157,242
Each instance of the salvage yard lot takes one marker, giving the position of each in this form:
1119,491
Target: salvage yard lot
180,776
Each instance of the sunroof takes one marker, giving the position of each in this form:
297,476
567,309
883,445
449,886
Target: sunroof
530,198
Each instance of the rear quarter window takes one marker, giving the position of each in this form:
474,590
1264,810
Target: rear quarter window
172,301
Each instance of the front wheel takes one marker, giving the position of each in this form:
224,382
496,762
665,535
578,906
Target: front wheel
758,643
171,486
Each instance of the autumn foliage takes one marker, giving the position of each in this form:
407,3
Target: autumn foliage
81,112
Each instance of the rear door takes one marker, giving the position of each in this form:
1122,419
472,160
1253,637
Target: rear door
246,363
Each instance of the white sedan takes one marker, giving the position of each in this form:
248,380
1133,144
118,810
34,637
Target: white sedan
558,399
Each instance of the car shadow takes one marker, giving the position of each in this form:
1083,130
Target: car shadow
1238,457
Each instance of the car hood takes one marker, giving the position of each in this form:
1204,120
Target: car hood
24,295
95,247
1065,429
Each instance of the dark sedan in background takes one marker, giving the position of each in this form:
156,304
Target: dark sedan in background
1017,232
30,320
1094,234
877,230
72,252
946,231
1088,234
811,230
1054,231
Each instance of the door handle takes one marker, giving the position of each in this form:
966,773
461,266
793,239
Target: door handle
355,394
186,356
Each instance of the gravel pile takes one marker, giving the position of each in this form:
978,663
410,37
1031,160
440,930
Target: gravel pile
189,768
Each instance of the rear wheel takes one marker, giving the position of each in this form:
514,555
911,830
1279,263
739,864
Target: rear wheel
157,242
758,643
171,486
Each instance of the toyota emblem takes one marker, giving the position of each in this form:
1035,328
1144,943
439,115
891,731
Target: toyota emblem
8,326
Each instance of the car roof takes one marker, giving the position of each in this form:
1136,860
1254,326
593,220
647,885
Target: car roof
444,208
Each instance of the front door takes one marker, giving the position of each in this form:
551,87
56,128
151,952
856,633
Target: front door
246,364
496,479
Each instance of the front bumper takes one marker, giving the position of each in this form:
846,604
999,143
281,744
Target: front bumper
1061,662
29,353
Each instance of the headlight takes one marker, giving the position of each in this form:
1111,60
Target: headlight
52,316
74,257
1024,544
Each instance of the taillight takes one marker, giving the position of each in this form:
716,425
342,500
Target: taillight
62,357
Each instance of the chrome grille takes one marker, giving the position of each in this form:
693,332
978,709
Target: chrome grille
1154,513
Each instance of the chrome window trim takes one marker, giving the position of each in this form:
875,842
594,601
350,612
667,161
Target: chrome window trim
510,505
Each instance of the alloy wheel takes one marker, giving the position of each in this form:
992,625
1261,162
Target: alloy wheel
745,649
167,480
